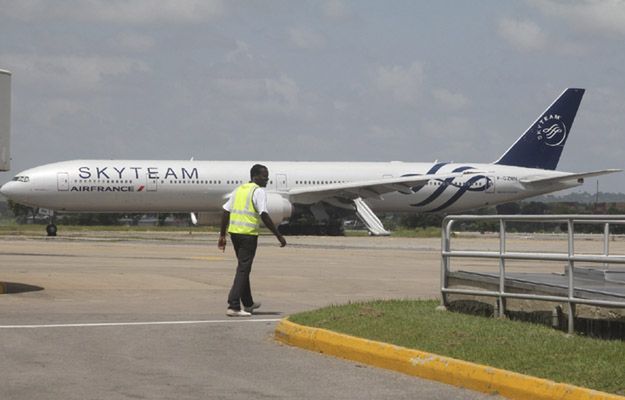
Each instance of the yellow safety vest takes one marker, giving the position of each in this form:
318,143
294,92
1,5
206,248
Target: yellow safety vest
244,219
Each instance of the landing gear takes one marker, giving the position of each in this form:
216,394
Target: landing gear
51,229
328,228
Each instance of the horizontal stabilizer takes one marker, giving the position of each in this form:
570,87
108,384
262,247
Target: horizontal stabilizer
566,177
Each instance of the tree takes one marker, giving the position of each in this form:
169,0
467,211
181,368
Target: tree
508,209
21,212
534,208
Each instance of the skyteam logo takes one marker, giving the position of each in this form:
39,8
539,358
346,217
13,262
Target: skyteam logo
477,183
551,130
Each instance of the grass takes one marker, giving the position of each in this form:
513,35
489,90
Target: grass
429,232
515,346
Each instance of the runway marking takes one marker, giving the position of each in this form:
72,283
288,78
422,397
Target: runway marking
207,258
92,325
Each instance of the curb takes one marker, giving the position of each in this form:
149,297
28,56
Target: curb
431,366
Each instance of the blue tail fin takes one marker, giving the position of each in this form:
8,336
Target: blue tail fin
541,145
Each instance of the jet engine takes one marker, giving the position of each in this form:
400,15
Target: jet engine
278,207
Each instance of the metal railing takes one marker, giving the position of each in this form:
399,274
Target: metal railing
570,257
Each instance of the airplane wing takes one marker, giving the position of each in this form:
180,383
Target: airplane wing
363,189
566,177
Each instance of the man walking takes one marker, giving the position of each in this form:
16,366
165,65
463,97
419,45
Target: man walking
242,214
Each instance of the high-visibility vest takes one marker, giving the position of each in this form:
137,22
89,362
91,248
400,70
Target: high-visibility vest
244,219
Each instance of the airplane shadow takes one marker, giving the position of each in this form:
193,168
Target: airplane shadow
14,287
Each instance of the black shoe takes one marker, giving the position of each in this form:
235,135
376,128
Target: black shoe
251,308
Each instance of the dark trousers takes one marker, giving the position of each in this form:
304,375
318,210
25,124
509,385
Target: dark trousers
241,292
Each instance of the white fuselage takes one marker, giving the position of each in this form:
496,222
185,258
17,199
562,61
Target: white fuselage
197,186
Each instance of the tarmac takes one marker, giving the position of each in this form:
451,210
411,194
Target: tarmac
128,315
132,316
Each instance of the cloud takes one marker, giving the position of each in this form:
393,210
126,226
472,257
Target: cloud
402,83
607,16
52,111
282,91
305,38
335,9
267,96
71,73
241,62
377,133
241,52
134,41
524,35
120,11
245,79
459,138
449,99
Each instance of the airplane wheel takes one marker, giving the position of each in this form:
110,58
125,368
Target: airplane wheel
51,230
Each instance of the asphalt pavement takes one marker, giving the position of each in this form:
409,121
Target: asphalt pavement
142,316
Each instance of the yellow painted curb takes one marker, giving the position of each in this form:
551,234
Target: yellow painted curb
431,366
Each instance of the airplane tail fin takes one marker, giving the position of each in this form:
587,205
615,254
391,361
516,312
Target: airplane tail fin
541,145
5,120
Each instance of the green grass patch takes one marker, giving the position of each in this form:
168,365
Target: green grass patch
429,232
356,233
522,347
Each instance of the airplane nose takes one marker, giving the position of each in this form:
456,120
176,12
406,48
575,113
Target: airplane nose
5,190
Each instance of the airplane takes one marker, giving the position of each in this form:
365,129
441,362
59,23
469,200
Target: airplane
526,169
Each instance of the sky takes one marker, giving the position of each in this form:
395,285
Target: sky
310,80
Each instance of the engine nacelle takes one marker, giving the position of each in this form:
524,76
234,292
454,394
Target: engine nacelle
278,207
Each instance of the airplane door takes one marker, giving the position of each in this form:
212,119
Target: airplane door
490,181
62,181
151,184
281,182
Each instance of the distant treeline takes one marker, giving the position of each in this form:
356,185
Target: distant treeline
582,197
412,221
23,215
27,215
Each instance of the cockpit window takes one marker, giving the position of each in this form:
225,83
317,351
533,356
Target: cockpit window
21,178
